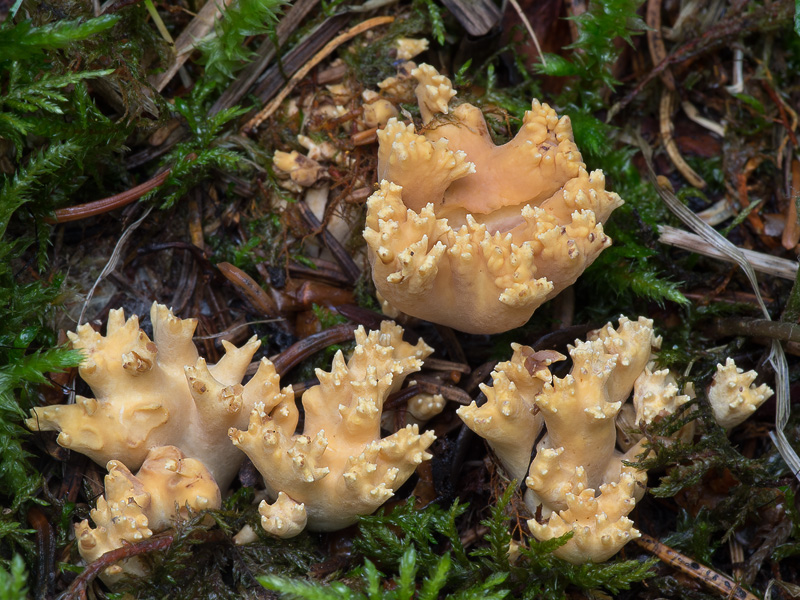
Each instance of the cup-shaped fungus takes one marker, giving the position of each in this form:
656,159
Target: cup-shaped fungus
339,467
135,507
476,236
578,479
156,393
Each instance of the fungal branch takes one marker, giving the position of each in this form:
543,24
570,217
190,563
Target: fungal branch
476,236
134,507
152,393
339,467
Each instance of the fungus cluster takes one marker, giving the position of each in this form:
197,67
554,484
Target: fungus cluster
461,232
732,395
476,236
135,507
578,480
160,407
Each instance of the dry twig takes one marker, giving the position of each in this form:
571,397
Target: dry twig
196,30
297,353
270,108
82,582
665,123
655,42
716,581
529,28
763,263
104,205
254,293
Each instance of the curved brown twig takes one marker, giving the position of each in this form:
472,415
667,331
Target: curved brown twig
79,585
693,569
104,205
298,352
255,294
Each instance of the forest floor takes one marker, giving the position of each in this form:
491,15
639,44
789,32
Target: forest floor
128,176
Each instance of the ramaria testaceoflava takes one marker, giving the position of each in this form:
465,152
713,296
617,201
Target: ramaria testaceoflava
476,236
732,395
156,393
135,507
578,479
339,467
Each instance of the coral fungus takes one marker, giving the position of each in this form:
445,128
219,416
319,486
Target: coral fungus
578,479
339,467
156,393
135,507
477,236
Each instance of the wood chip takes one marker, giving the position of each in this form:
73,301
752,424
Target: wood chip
478,17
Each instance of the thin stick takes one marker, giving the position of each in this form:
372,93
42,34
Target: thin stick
658,51
758,328
764,263
259,299
162,29
104,205
79,585
298,352
528,26
263,56
665,125
270,108
197,29
113,259
724,585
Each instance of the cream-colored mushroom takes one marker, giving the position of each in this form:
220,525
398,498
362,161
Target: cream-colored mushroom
284,518
476,236
339,467
408,48
577,480
599,523
135,507
400,87
156,393
377,110
732,395
508,420
301,171
423,407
